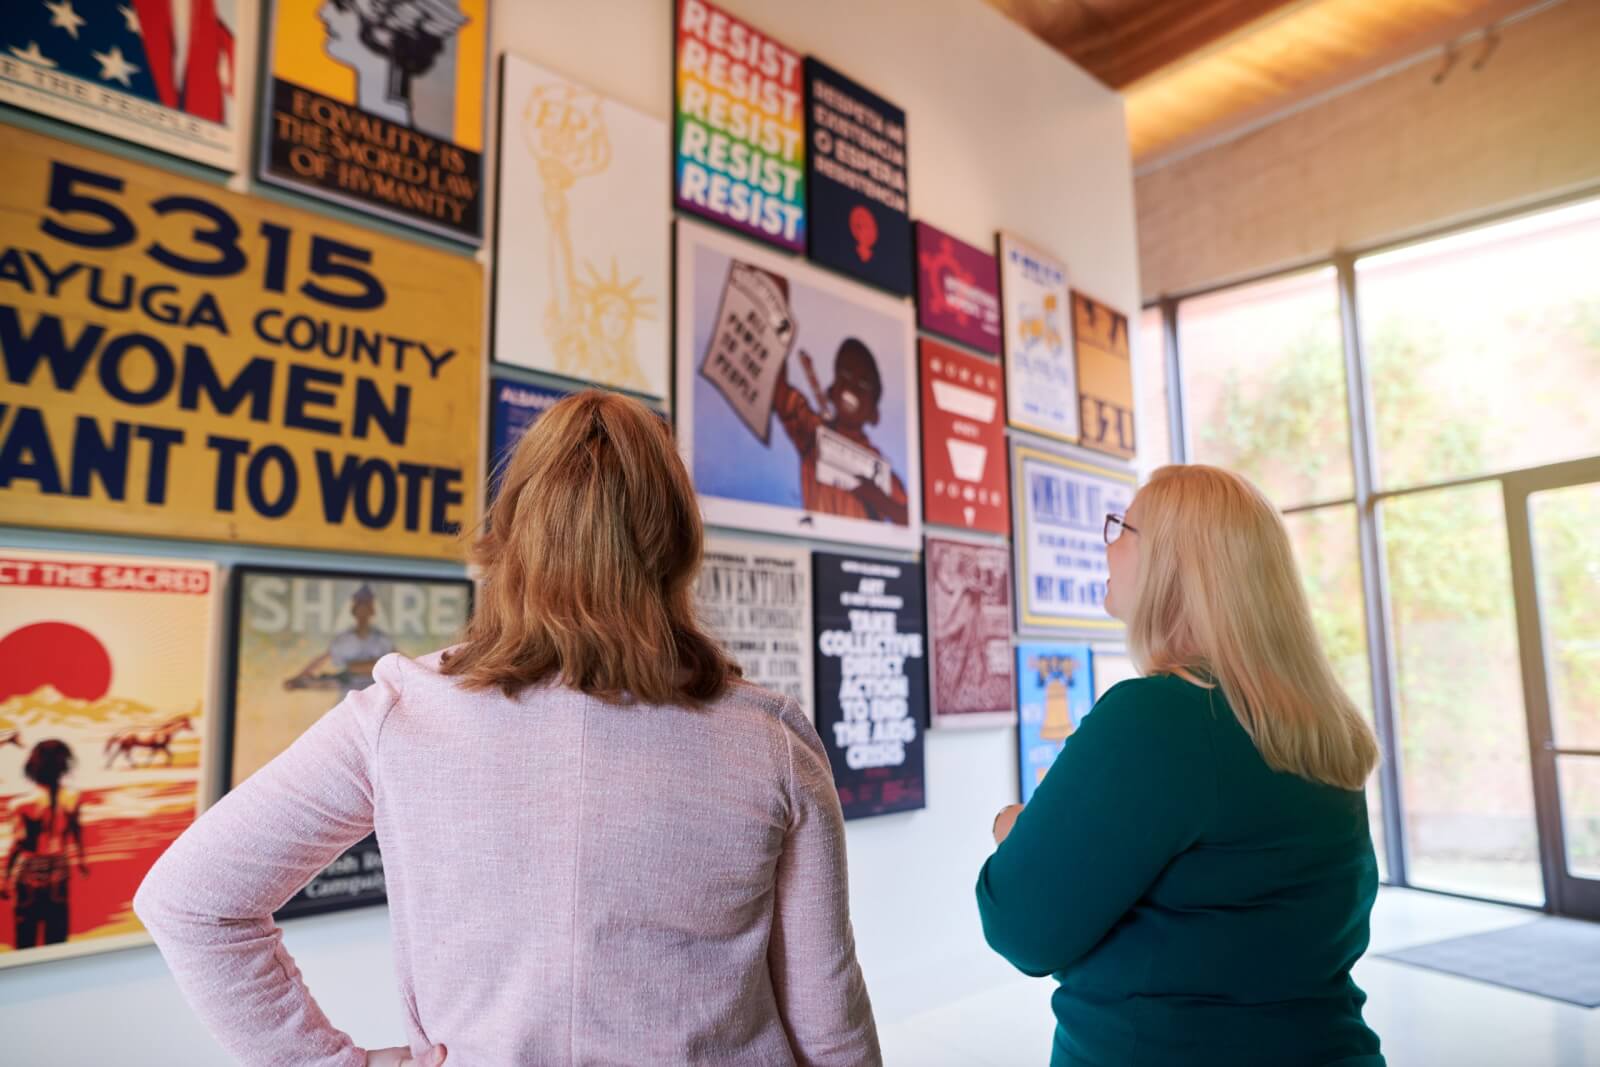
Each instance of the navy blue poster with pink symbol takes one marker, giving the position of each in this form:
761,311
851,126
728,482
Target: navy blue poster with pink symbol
857,218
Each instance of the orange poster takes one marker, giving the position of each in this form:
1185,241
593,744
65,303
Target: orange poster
1105,376
105,739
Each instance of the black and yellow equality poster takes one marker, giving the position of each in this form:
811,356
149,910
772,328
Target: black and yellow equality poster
184,362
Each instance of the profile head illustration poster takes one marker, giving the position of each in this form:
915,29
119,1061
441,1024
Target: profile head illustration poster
582,260
105,739
796,396
379,105
302,641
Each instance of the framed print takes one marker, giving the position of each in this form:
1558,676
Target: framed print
379,107
970,680
1055,690
739,132
796,396
1061,504
1041,377
301,641
1110,667
872,681
958,290
755,596
106,738
963,440
317,386
857,214
173,77
1105,376
582,233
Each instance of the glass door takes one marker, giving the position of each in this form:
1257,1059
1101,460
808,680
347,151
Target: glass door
1553,522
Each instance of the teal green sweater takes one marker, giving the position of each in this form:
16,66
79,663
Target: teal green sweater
1196,906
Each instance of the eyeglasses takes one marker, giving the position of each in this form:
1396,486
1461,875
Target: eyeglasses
1115,524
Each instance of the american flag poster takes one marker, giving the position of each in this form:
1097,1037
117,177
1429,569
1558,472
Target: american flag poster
168,74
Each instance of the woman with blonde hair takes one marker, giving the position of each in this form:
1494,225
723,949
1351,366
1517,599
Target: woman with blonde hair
600,845
1196,869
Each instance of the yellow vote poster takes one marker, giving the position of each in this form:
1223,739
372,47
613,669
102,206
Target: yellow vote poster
379,106
184,362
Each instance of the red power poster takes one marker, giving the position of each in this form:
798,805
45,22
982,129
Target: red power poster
963,440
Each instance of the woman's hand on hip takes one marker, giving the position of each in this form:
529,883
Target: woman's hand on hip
400,1056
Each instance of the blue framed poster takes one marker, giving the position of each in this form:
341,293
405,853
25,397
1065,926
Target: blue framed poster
513,407
857,214
1059,537
1055,690
872,680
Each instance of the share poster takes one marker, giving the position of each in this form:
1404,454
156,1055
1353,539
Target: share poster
755,596
301,642
958,290
796,396
1055,691
1105,376
739,133
379,106
1061,504
963,440
112,713
1041,376
581,257
134,71
969,633
872,682
184,362
857,212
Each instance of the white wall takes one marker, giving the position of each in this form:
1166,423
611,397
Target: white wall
1004,134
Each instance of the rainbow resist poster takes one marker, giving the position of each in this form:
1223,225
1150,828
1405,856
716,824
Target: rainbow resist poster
739,129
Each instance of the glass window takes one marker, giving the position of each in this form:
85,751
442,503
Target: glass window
1327,549
1150,409
1579,781
1264,382
1468,799
1483,349
1566,560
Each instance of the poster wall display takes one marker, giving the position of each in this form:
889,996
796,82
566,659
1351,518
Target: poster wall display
796,404
1110,667
872,683
1061,505
963,440
379,107
755,596
1040,373
110,713
132,70
857,209
581,257
969,631
184,362
302,642
1105,376
1055,691
739,135
958,290
513,407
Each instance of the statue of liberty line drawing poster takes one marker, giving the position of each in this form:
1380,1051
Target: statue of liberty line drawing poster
378,105
582,234
105,739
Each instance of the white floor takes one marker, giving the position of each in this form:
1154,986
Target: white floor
1425,1019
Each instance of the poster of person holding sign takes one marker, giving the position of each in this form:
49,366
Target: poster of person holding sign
796,400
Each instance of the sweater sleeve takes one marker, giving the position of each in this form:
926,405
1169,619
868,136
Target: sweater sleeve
822,997
209,899
1132,788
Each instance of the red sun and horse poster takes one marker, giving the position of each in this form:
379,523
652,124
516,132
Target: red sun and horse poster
105,739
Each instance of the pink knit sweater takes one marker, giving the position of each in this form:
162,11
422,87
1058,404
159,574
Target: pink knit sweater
569,882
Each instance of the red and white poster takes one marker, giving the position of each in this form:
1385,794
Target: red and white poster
963,440
105,739
969,630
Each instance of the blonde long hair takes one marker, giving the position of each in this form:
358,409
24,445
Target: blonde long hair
589,555
1219,600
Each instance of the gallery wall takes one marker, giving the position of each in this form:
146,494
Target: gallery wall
1004,136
